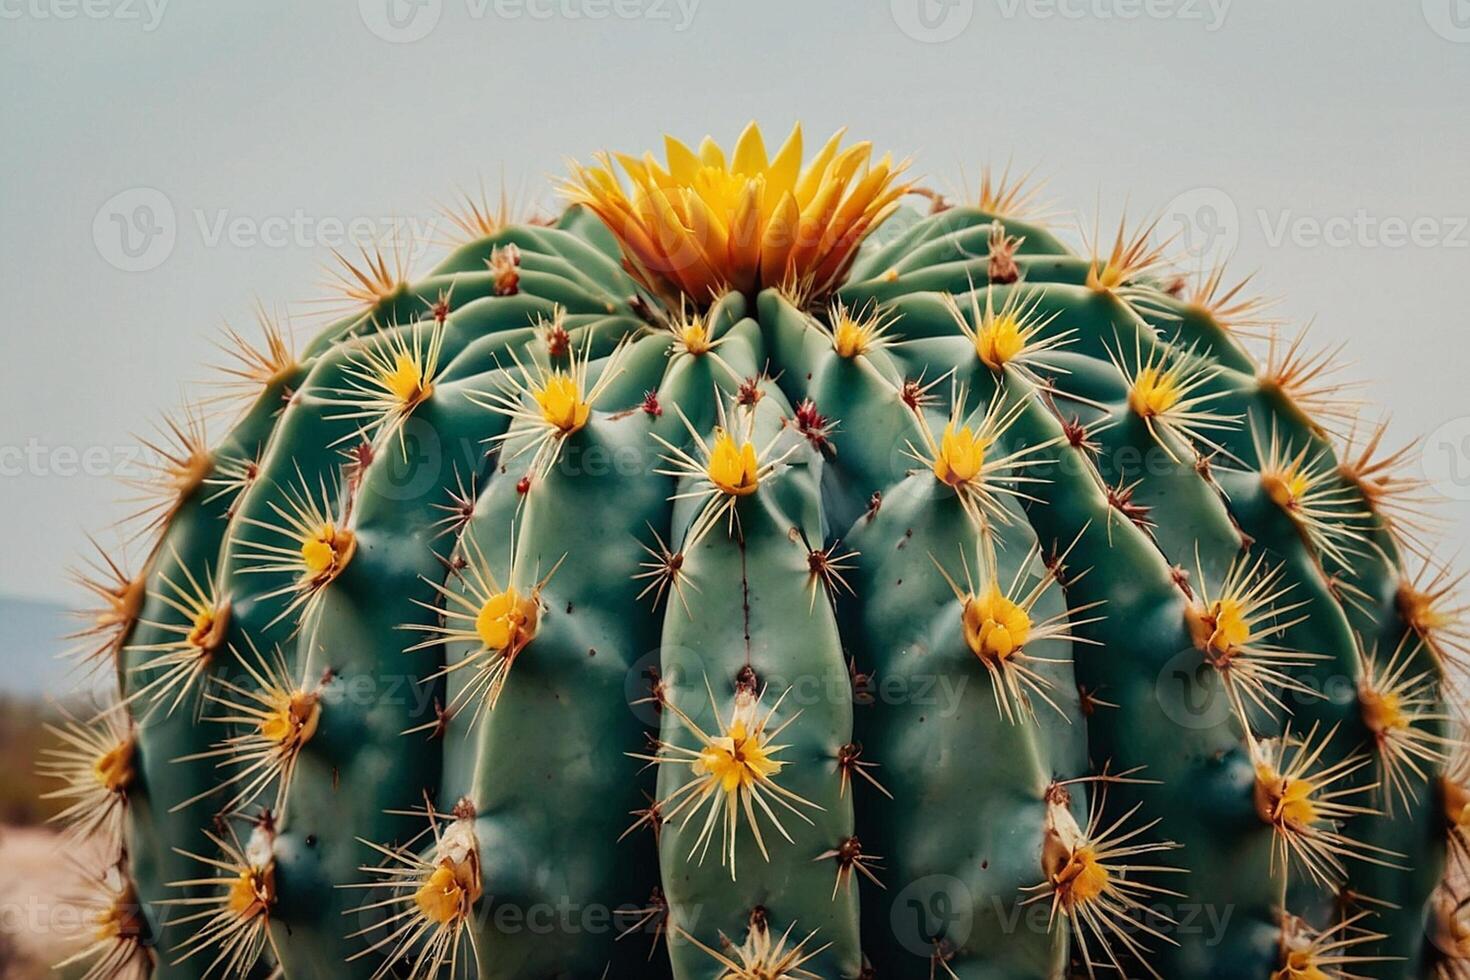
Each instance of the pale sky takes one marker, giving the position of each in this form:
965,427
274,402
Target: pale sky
232,144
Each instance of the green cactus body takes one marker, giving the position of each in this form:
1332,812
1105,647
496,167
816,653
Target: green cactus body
783,585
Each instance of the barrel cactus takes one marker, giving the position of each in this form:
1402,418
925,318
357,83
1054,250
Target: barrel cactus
747,573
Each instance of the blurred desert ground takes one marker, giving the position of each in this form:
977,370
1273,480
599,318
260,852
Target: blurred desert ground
42,922
39,879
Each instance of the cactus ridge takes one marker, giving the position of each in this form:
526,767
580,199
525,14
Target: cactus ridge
745,576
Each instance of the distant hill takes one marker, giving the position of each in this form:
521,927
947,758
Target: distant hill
32,634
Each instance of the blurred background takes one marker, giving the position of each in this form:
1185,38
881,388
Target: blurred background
169,164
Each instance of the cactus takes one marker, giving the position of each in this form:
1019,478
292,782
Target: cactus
742,574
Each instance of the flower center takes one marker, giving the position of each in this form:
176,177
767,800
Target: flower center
120,920
561,403
1228,626
849,337
327,551
961,455
113,769
1282,800
1286,487
733,468
735,760
292,719
208,629
1418,609
999,341
995,627
1301,964
694,337
1154,392
1109,276
448,892
1082,879
1382,712
406,381
251,892
507,621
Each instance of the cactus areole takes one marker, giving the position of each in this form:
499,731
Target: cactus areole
766,568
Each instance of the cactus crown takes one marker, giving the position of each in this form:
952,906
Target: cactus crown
704,224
